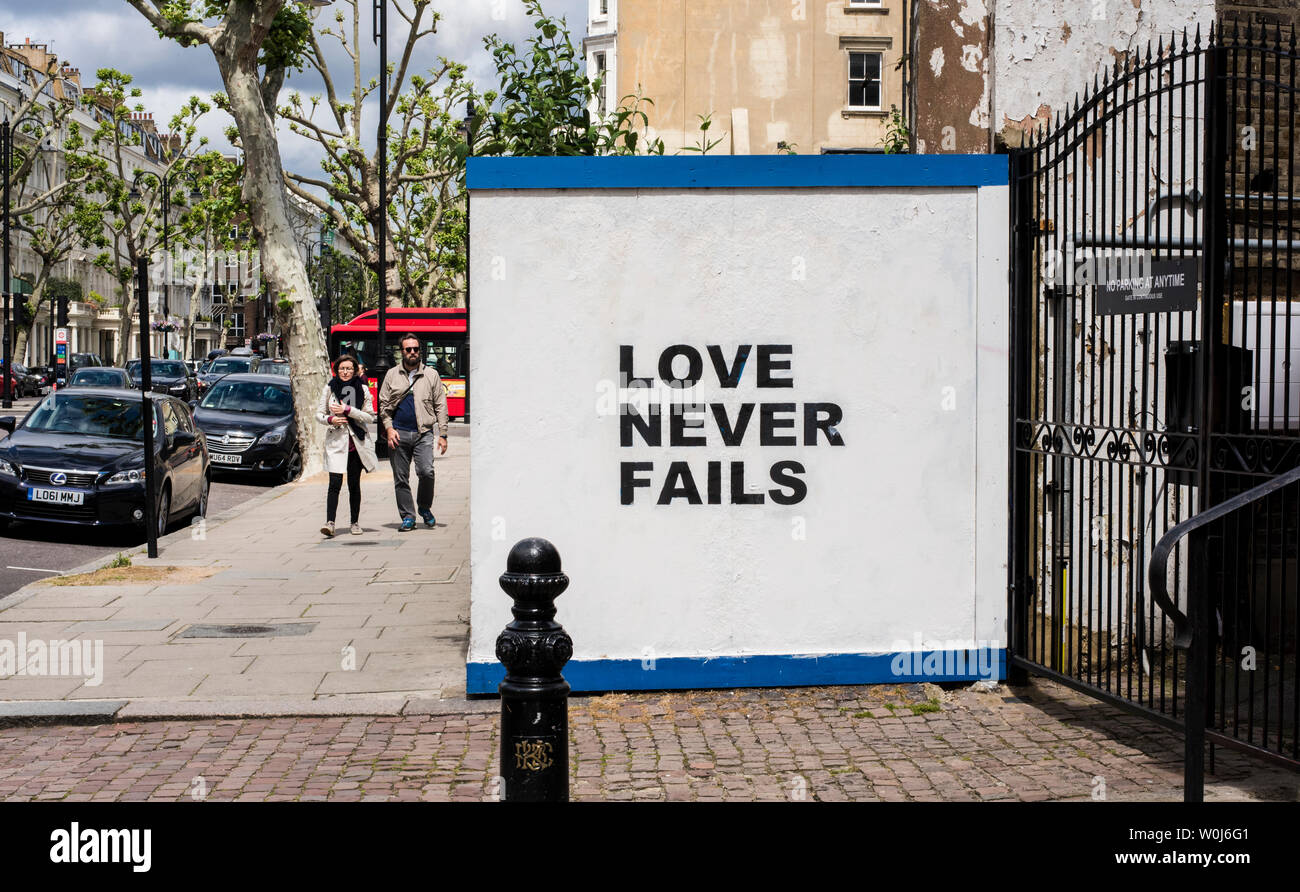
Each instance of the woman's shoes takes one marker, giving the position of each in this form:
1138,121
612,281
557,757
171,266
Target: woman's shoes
328,530
356,529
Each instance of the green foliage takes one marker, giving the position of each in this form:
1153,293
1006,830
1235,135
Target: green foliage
288,40
546,99
704,146
122,560
126,226
898,139
344,282
70,289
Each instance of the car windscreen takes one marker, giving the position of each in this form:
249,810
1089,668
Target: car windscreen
229,366
91,416
95,378
249,396
160,367
274,368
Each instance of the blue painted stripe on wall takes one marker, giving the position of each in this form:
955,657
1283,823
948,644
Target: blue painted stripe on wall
678,673
737,171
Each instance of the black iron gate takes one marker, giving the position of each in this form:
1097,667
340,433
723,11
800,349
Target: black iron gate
1156,376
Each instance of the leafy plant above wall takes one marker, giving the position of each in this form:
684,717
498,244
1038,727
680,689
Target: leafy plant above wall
898,138
705,145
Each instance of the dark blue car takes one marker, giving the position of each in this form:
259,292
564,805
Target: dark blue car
78,457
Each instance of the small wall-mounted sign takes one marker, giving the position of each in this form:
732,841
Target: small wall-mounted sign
1157,286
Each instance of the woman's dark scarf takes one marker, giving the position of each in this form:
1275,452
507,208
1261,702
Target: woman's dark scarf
351,393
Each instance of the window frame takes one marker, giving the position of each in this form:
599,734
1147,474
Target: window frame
600,61
850,80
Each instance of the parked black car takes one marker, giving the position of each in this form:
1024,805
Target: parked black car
169,376
102,376
78,360
22,382
227,365
75,361
78,457
250,426
273,367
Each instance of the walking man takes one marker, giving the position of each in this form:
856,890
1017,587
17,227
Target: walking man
411,400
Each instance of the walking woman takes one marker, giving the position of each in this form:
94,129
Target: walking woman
349,446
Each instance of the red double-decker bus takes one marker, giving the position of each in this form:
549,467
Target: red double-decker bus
441,330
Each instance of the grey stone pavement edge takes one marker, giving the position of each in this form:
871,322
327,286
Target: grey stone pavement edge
388,614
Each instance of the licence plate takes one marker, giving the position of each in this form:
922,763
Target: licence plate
56,496
222,458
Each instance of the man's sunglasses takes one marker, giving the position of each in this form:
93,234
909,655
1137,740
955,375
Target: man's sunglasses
410,349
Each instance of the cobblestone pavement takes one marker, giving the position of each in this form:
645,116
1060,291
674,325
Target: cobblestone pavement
881,743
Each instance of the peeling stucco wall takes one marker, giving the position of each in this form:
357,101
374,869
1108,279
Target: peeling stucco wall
768,71
953,77
1045,51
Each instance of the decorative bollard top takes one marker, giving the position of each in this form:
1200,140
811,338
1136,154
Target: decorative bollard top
533,579
534,645
533,555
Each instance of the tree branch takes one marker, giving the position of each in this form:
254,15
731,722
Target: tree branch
191,30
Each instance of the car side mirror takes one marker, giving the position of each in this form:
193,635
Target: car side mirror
8,423
194,404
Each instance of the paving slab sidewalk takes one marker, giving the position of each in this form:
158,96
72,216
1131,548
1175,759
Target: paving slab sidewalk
386,613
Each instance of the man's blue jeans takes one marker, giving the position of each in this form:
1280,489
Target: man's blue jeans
420,446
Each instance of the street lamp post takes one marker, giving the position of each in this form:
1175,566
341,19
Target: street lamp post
381,233
146,410
6,167
469,142
166,184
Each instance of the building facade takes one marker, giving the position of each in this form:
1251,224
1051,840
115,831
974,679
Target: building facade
220,303
94,322
770,76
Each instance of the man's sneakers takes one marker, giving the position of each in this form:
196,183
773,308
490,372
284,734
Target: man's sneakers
356,529
328,530
408,524
429,520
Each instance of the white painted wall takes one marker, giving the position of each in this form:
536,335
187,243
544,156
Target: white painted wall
903,295
1047,50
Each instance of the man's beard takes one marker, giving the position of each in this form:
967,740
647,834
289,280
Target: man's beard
410,363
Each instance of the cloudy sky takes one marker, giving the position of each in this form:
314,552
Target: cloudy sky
93,34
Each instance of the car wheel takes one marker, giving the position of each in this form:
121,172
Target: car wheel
292,468
201,509
164,507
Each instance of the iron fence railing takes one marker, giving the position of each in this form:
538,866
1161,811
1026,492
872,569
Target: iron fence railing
1241,684
1165,431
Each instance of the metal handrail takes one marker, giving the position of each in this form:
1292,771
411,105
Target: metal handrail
1158,568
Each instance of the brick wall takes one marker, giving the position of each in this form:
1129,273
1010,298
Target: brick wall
1269,12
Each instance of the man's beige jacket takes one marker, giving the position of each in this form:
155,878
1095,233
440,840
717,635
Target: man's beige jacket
430,398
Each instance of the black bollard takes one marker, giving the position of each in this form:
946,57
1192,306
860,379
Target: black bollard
534,695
